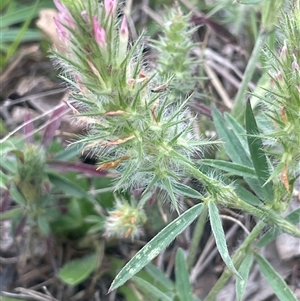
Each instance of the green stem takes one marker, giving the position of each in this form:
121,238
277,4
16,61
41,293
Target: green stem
197,237
238,109
237,260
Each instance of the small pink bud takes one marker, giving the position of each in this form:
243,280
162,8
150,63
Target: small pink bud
295,65
60,7
84,15
123,38
279,76
110,6
61,31
283,51
124,28
99,33
64,15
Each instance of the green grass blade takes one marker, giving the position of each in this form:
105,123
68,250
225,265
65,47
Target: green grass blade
160,277
258,156
13,47
183,285
156,245
244,271
217,229
150,290
277,283
30,35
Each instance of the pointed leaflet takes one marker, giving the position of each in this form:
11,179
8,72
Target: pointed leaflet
234,148
156,245
217,229
77,270
233,168
258,156
159,276
277,283
183,285
244,270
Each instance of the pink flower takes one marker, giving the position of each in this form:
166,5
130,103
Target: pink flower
84,15
110,6
123,38
295,65
99,33
283,51
279,76
61,31
60,7
64,15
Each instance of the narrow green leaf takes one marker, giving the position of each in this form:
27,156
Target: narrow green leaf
271,234
16,195
30,35
10,213
69,187
43,225
233,146
277,283
239,131
156,245
3,180
233,168
183,285
77,270
217,229
235,149
244,271
68,153
187,191
246,195
258,156
128,293
169,188
150,290
14,45
159,276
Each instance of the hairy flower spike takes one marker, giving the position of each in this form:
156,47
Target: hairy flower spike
131,125
125,221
